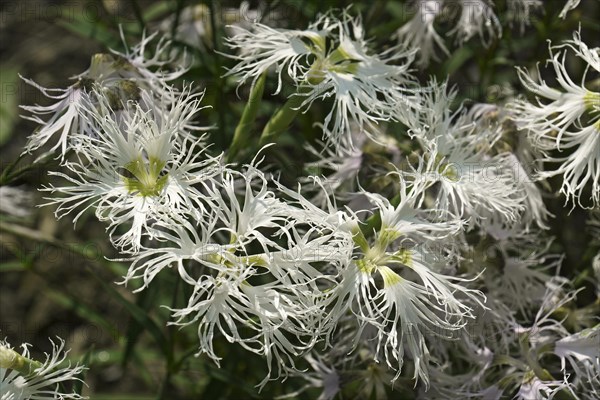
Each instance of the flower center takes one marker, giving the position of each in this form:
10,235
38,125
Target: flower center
592,101
377,257
338,61
447,170
145,177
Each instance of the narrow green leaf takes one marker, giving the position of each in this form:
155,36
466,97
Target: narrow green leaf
223,375
9,81
74,304
138,314
12,266
160,9
135,328
91,29
459,57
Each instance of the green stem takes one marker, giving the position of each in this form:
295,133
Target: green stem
241,135
171,365
215,28
281,120
178,9
361,241
10,173
531,357
137,11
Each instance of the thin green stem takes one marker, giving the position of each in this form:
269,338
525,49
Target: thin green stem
138,14
178,9
216,35
171,364
242,131
10,173
281,120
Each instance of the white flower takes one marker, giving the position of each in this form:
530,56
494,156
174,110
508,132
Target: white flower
395,289
533,388
521,268
566,120
323,376
23,378
570,5
137,170
477,18
329,59
64,117
286,315
402,313
193,23
344,165
581,349
520,11
419,33
118,76
15,201
275,323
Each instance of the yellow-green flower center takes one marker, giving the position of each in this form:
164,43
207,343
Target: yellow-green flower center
145,177
338,61
366,265
447,170
592,101
376,257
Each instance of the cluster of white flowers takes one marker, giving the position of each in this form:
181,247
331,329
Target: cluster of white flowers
469,17
446,258
520,365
